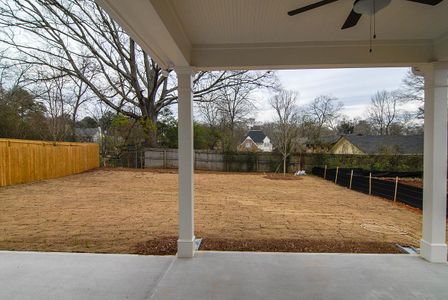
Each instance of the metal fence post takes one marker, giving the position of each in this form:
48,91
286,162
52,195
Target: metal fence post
396,189
351,179
370,183
336,176
325,172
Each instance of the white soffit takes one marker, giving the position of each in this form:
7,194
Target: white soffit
266,21
219,34
142,21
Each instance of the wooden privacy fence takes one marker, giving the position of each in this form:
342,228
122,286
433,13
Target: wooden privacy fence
25,161
216,161
270,161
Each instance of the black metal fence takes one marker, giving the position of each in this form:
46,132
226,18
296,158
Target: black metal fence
129,159
368,182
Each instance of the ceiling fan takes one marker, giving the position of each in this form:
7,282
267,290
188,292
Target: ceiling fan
360,7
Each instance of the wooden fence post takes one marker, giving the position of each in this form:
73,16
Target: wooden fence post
194,159
336,176
396,189
370,183
325,172
351,179
256,160
209,163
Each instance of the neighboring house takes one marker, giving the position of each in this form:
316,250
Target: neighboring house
254,141
321,145
378,144
92,135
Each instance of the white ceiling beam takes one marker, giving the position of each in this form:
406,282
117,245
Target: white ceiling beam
146,22
313,55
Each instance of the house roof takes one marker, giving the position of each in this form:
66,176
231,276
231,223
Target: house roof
256,135
323,140
372,144
89,132
330,139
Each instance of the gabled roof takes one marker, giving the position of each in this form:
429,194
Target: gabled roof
256,135
330,139
323,140
373,144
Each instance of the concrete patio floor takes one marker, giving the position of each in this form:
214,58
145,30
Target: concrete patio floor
220,275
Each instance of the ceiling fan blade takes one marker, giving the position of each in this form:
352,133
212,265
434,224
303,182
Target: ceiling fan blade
309,7
428,2
352,20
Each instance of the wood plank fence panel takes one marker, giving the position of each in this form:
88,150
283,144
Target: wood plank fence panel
24,161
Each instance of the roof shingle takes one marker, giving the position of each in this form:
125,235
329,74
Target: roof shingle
256,135
373,144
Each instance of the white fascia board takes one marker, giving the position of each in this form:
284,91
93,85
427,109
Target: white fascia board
312,55
141,20
248,138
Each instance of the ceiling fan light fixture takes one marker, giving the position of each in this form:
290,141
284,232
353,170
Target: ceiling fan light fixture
369,7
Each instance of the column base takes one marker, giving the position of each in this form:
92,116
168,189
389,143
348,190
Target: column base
436,253
185,248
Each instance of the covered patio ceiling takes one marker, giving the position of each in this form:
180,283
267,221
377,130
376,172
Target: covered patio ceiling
258,34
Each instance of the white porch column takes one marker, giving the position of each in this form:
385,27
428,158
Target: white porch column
185,243
433,245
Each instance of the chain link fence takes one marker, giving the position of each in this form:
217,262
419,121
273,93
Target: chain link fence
134,159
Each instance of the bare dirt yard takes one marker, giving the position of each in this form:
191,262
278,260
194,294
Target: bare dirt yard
128,211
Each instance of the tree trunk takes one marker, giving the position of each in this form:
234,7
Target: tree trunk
149,125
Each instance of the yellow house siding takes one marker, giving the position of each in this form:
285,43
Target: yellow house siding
343,146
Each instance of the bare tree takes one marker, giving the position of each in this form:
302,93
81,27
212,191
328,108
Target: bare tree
228,108
414,86
285,127
58,115
413,91
63,96
324,111
383,111
235,105
209,112
78,38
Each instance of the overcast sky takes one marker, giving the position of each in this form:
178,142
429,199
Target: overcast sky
353,87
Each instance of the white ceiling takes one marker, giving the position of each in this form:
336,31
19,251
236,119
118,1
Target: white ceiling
266,21
258,34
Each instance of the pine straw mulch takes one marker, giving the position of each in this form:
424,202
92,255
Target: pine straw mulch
168,245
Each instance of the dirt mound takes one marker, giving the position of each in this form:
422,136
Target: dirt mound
273,176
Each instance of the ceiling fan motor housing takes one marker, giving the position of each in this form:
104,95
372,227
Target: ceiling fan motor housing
369,7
